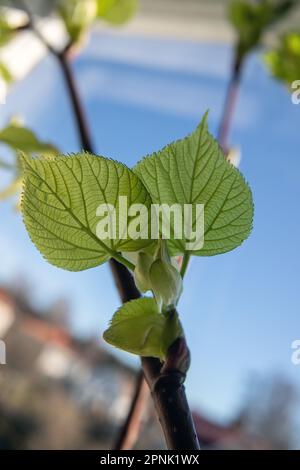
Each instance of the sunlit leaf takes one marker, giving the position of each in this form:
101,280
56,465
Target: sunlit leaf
60,207
139,328
194,171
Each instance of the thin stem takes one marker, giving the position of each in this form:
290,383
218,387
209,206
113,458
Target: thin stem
62,57
168,393
185,263
79,115
130,429
230,101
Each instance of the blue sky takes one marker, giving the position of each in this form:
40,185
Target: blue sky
240,310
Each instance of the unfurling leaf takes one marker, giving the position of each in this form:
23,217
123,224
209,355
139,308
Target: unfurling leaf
68,204
142,270
116,11
194,171
139,328
156,272
166,283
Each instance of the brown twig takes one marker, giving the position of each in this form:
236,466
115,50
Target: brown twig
230,102
130,429
166,383
81,121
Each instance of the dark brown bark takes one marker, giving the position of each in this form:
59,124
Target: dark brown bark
78,113
166,382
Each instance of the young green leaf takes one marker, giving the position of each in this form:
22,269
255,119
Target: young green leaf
116,11
194,171
60,205
141,272
166,283
139,328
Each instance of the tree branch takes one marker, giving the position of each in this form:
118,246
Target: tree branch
230,102
80,118
166,385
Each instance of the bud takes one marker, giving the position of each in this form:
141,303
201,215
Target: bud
166,283
141,271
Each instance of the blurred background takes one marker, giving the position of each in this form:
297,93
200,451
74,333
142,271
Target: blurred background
144,84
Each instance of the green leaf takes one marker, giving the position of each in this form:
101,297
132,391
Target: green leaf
137,327
194,171
116,11
22,139
251,20
77,16
60,204
284,60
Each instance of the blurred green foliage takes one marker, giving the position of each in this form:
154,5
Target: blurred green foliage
116,11
6,30
284,60
252,18
20,139
79,15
